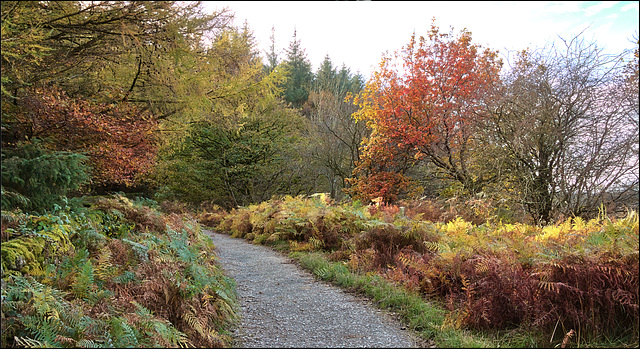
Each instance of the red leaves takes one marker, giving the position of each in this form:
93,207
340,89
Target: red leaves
118,138
429,107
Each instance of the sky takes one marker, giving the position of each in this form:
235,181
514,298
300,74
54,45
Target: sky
358,33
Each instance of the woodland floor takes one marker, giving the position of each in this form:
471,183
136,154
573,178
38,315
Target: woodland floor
282,305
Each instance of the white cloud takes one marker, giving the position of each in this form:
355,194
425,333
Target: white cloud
631,6
595,9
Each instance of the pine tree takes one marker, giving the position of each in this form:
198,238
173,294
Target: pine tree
300,75
325,79
272,56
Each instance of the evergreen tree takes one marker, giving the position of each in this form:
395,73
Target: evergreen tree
325,79
272,56
300,76
35,179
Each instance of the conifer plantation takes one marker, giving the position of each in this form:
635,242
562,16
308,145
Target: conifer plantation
503,194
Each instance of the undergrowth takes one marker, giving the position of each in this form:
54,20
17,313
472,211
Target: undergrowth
116,274
573,283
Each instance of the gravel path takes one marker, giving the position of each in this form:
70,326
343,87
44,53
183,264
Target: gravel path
285,306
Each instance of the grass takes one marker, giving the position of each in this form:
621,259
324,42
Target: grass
426,319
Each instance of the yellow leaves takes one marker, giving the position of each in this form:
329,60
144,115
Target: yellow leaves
103,268
549,286
549,232
457,226
201,326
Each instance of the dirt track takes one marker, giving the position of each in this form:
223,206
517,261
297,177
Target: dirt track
284,306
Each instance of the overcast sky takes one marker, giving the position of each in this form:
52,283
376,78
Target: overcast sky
358,33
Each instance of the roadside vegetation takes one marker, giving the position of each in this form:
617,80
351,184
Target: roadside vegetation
459,275
114,273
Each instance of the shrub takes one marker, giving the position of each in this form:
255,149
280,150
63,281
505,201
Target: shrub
492,275
36,179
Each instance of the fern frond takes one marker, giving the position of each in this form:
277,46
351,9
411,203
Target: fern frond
140,249
125,277
65,341
194,322
31,343
549,286
83,281
123,334
103,269
86,343
484,265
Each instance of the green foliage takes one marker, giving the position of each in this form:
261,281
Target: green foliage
247,157
81,285
300,76
42,177
37,239
39,316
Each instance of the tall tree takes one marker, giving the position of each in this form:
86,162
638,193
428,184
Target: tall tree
75,43
325,77
300,76
240,147
335,136
565,131
92,77
427,110
272,55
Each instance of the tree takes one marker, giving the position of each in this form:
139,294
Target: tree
94,77
425,111
34,178
334,136
119,139
232,167
565,132
325,78
272,55
299,77
77,44
240,146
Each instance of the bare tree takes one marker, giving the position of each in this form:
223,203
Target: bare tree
564,128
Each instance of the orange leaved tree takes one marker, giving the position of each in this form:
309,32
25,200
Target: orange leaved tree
428,110
119,138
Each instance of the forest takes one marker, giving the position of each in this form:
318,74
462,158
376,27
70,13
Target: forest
507,191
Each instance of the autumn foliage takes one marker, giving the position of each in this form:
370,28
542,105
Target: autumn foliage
575,275
423,111
118,138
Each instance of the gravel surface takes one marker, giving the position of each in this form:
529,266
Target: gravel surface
283,305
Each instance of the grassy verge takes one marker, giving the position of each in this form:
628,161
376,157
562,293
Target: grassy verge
426,319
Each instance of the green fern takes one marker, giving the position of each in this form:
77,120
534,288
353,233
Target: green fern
83,280
44,317
154,326
31,343
140,249
103,269
121,334
125,278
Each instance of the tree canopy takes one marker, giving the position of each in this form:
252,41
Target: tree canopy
164,97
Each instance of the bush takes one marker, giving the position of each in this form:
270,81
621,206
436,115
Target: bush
36,179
